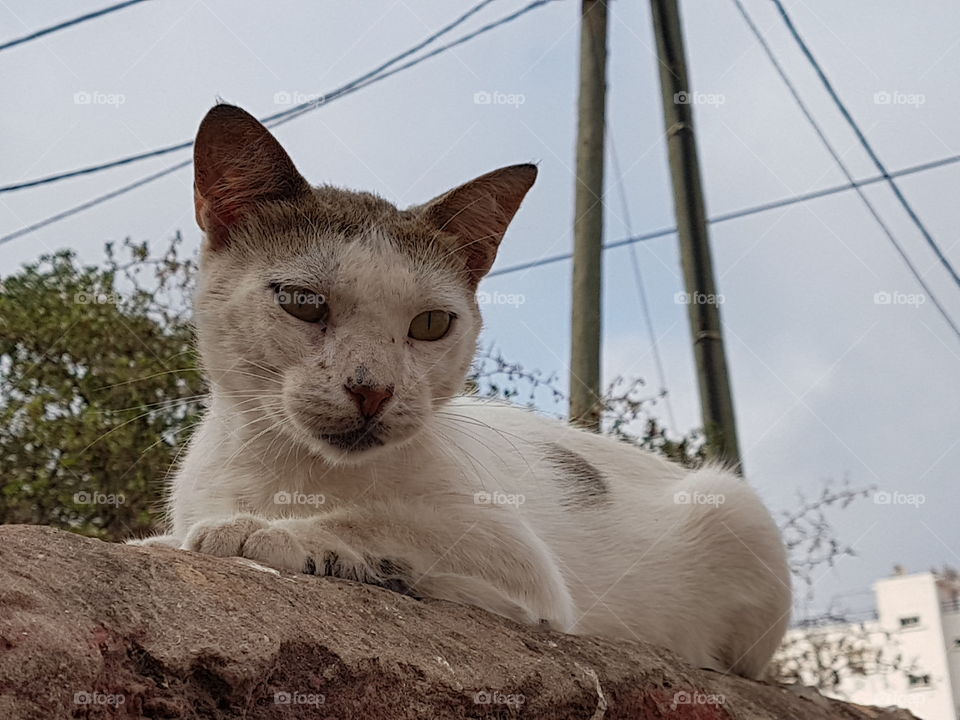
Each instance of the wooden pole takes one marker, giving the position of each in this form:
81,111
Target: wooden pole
585,393
702,299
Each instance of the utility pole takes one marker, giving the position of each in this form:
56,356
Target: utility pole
585,394
703,301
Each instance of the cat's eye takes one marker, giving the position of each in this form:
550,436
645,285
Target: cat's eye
303,304
430,325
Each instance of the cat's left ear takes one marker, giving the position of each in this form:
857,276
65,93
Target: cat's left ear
478,212
238,165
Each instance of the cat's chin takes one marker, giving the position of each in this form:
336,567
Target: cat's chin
336,454
353,447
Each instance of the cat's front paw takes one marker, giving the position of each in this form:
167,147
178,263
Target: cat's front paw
248,537
298,547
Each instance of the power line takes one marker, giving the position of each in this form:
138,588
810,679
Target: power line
866,145
297,111
293,113
68,23
641,286
93,202
283,116
737,214
655,234
843,167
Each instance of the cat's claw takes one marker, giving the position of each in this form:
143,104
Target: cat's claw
389,574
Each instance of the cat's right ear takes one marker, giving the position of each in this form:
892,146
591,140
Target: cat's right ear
238,165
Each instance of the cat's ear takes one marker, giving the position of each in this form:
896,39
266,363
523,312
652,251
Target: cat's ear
238,164
478,212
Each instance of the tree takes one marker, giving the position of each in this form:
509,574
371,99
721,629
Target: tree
827,652
98,388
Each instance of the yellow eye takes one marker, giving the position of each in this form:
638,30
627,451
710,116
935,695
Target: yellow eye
430,325
303,304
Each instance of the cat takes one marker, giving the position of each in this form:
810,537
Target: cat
336,333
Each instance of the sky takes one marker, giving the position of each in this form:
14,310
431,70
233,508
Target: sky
829,381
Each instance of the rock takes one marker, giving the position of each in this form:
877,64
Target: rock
96,630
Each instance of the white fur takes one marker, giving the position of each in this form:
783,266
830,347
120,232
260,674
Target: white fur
708,581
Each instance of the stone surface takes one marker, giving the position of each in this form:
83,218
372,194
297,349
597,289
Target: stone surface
96,630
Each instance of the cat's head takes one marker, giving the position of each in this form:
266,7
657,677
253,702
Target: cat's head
332,316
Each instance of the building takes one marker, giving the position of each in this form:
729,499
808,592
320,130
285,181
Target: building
906,654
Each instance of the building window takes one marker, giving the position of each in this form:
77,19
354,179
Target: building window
909,622
918,681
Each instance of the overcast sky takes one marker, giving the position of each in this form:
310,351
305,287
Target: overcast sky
828,383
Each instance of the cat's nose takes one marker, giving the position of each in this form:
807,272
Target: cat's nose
368,399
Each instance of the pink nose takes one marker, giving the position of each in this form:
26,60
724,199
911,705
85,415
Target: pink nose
369,400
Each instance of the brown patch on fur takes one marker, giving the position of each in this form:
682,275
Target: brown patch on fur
586,483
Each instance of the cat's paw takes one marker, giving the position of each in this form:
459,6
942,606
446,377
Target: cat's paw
311,550
222,537
277,548
248,537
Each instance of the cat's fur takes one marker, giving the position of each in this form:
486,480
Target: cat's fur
455,498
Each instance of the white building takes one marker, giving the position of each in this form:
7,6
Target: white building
916,628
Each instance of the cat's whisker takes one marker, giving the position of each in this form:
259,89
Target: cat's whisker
245,373
454,424
502,433
172,402
470,456
160,440
195,370
267,368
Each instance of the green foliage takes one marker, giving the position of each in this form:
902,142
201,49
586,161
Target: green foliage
98,389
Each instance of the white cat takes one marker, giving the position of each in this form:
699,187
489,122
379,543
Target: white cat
336,332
